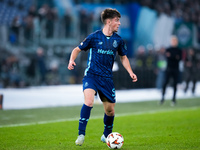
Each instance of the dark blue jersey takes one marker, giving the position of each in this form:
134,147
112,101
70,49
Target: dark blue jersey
102,52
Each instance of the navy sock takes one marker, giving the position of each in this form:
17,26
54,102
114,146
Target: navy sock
84,117
108,124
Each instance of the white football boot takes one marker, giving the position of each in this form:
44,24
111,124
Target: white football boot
103,138
79,141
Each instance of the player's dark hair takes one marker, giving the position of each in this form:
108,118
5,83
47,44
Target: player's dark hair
109,13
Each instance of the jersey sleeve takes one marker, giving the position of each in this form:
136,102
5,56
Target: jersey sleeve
122,50
85,44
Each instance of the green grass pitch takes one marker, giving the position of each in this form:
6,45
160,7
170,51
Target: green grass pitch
144,126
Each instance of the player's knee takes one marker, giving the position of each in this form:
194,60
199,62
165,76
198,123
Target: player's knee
89,103
110,112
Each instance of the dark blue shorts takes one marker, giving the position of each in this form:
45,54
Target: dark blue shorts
103,86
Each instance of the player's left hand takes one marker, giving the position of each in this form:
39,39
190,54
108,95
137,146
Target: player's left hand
134,77
71,65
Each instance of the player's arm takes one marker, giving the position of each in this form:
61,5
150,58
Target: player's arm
127,66
73,56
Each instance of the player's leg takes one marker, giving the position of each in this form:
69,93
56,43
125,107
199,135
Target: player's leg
106,92
166,80
89,97
86,109
108,117
85,114
175,75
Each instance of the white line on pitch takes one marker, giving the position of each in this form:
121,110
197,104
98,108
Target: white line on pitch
97,117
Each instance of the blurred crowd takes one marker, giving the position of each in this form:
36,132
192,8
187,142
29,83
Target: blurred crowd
44,67
39,23
45,22
181,10
153,63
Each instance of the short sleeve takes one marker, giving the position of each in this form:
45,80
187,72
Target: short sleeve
122,50
85,44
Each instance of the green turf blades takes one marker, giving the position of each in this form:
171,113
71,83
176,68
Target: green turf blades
175,129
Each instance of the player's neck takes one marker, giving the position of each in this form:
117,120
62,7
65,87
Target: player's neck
107,31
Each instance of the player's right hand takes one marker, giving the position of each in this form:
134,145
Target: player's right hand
71,65
134,77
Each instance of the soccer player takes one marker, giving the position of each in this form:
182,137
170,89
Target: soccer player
103,46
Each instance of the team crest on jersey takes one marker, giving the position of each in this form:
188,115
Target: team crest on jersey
115,44
100,43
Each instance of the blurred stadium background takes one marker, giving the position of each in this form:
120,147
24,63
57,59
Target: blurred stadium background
37,37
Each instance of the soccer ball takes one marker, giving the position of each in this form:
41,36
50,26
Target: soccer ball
114,140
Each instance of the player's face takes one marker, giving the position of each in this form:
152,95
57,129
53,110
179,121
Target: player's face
114,24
